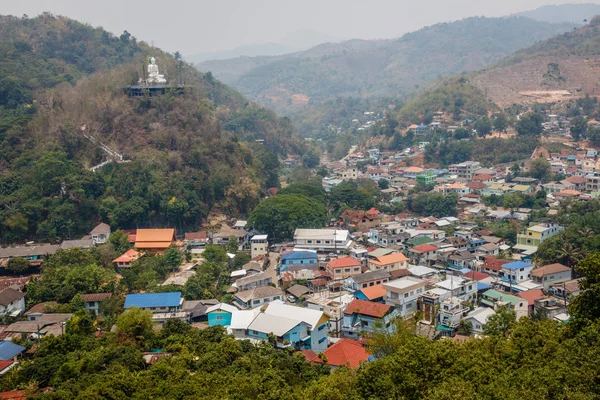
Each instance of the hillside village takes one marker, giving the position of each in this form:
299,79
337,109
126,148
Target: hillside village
326,290
447,248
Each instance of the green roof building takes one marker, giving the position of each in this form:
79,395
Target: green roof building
426,178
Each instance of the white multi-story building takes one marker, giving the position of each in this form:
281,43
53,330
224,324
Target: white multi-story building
323,240
259,245
462,288
464,170
403,294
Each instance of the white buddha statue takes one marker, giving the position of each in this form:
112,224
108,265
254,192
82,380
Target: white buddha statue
153,75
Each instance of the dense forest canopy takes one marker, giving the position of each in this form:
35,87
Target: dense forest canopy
61,101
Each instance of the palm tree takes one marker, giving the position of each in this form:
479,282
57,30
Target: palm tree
570,254
586,232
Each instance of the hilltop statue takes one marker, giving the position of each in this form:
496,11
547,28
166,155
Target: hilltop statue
153,75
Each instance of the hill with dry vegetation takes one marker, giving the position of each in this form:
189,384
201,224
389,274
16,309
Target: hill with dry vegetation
561,68
62,101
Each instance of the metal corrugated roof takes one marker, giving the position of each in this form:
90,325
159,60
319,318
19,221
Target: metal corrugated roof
146,300
9,350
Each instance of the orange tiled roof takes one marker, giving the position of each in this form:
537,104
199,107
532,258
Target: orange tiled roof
373,292
390,259
344,262
531,295
425,248
346,352
549,269
154,238
495,264
127,257
369,308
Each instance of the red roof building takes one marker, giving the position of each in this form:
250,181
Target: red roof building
344,352
343,267
372,293
476,276
424,248
368,308
126,260
493,265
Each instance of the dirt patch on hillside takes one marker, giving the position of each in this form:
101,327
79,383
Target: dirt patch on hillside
535,81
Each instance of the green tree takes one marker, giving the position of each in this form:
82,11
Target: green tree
585,307
483,126
512,201
593,135
434,204
173,257
279,216
214,253
383,184
579,126
232,245
540,169
311,159
17,265
465,327
135,322
530,124
119,241
500,123
501,322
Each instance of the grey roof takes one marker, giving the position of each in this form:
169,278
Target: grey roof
370,276
100,228
28,251
9,295
298,290
253,278
380,252
275,324
258,293
77,244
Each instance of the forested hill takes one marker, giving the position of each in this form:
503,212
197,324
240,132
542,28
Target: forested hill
380,68
60,86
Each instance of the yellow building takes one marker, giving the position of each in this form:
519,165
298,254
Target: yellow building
536,234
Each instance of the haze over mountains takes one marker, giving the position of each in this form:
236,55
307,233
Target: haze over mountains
292,42
377,68
573,13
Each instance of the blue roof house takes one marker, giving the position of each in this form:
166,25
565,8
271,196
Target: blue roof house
155,302
298,258
515,272
9,350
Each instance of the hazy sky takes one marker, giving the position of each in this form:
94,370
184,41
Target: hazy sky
202,25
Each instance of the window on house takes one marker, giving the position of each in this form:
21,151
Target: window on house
322,327
255,332
219,317
322,339
406,295
309,241
364,323
347,270
318,242
256,302
357,269
364,285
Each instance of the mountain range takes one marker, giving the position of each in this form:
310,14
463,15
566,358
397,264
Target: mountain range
379,68
573,13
